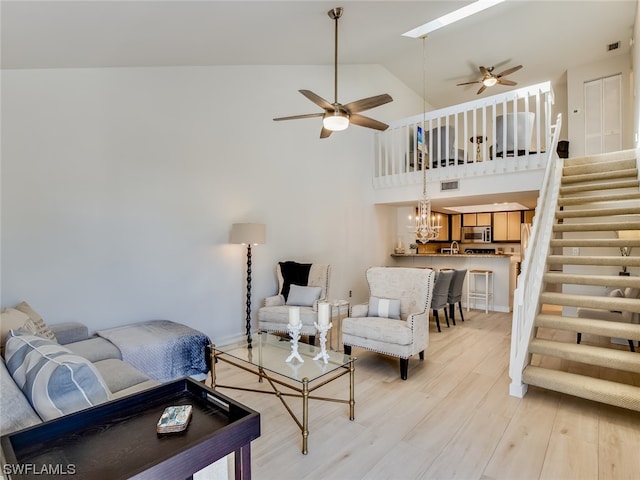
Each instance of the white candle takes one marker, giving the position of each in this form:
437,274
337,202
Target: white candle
323,314
294,316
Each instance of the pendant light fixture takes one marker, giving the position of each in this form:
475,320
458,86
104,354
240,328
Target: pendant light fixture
427,224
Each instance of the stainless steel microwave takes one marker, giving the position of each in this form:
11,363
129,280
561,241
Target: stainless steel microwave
476,234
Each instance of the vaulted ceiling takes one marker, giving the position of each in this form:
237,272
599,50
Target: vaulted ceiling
547,37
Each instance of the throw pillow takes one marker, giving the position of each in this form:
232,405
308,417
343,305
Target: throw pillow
293,273
10,319
384,307
55,381
36,324
303,296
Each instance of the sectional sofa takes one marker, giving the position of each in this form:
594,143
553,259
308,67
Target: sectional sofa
50,371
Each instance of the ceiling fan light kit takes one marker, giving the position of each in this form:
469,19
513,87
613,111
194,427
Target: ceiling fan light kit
336,116
335,121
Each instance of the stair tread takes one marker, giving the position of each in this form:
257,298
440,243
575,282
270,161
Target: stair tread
618,261
629,153
604,391
603,166
590,177
589,301
598,212
588,199
592,355
603,328
598,187
595,242
599,227
614,281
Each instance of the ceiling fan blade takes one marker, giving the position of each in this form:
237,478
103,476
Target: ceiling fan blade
484,71
325,132
468,83
504,81
318,100
367,103
363,121
482,89
509,71
296,117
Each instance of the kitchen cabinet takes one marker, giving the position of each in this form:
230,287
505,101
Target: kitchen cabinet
483,219
528,216
476,219
506,226
469,220
443,235
456,223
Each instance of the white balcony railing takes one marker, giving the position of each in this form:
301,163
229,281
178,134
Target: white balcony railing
492,135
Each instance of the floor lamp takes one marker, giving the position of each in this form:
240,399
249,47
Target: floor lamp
248,234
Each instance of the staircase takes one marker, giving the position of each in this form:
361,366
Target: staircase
597,197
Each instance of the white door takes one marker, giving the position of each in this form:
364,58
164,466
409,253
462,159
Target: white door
603,115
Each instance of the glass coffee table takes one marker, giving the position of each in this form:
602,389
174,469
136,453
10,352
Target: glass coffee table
267,360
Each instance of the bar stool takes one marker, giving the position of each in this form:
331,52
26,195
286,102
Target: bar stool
475,294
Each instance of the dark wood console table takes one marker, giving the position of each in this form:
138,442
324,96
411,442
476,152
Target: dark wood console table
118,439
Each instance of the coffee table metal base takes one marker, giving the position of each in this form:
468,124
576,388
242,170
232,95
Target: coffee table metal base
303,392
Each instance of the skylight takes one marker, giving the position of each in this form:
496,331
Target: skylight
450,18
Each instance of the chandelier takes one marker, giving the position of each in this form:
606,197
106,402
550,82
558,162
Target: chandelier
427,224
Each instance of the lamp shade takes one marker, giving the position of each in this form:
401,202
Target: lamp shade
249,233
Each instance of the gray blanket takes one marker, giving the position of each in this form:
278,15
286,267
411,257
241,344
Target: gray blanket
162,349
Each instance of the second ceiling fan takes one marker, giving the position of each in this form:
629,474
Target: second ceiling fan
489,79
337,116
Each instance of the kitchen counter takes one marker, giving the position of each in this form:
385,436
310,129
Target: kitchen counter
479,255
499,263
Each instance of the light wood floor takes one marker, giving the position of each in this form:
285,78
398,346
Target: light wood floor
452,418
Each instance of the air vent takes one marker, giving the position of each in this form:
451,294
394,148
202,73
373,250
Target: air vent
452,185
613,46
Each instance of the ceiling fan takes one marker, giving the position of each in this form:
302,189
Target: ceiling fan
337,116
489,79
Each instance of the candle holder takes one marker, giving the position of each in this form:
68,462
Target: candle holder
323,329
294,331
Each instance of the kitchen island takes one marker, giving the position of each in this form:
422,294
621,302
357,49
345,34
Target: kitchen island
499,263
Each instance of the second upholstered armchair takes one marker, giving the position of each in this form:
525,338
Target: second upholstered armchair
299,284
396,320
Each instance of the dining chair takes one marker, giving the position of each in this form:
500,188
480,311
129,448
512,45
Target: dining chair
441,294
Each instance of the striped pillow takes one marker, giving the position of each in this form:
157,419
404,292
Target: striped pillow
384,307
53,379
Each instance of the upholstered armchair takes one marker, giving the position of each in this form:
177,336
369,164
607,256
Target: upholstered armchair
395,322
299,284
523,132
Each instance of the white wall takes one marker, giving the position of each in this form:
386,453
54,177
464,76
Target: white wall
119,187
576,77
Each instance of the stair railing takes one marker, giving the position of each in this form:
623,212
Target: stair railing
526,298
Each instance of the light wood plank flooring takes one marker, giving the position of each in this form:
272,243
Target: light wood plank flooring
452,419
